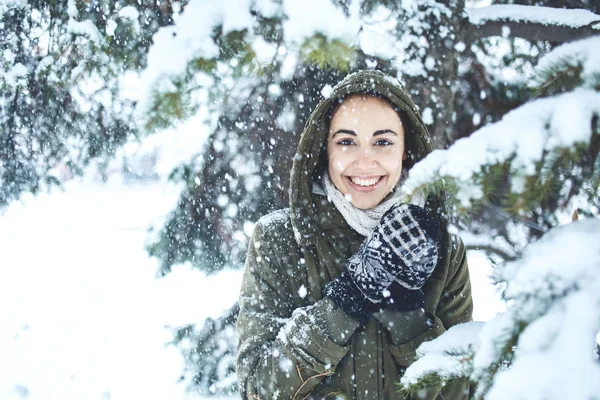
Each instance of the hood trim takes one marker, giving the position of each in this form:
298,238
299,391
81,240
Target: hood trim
304,218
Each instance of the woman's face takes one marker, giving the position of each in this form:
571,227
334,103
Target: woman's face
365,148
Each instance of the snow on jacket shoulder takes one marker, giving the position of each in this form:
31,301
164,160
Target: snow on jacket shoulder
287,349
296,344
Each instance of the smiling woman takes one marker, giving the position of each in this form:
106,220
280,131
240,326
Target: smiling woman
341,288
365,149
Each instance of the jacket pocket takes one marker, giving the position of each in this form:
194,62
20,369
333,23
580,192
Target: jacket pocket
405,354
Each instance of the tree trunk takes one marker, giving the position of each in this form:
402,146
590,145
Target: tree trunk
435,32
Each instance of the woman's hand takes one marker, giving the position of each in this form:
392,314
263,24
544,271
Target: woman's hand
402,250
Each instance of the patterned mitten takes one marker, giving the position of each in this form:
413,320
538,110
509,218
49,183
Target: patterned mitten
403,248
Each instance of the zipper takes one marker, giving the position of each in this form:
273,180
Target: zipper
354,339
381,377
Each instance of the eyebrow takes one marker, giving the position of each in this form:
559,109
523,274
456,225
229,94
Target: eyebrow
376,133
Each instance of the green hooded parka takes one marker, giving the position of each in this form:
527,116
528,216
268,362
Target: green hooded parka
296,344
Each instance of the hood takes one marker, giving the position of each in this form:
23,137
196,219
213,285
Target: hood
310,156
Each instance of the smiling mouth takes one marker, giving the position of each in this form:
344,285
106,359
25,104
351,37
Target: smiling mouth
364,183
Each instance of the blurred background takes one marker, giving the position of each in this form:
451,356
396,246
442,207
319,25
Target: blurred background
140,141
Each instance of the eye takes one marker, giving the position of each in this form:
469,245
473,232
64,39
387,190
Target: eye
383,142
345,142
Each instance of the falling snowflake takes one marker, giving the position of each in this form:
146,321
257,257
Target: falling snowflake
302,291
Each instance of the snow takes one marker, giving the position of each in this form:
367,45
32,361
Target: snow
485,240
412,68
84,316
412,36
267,8
15,76
288,67
275,218
458,337
493,334
428,116
582,53
264,51
498,49
326,91
84,28
522,136
575,18
377,36
129,12
72,9
8,56
175,46
303,20
89,293
6,5
159,154
557,291
302,292
546,270
111,27
461,339
553,318
445,355
487,301
286,119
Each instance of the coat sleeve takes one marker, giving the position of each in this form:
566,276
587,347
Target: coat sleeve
456,304
454,307
283,351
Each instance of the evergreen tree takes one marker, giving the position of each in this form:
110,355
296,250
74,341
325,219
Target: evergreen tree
545,344
259,67
260,70
62,65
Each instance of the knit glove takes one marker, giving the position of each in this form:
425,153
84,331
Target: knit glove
402,250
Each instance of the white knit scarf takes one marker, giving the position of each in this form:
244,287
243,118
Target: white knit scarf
364,221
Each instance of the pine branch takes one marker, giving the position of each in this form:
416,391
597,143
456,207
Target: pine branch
493,23
492,249
530,31
325,54
558,80
429,382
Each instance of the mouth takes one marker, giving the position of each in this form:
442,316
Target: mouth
365,184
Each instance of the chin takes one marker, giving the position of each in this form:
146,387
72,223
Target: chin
365,204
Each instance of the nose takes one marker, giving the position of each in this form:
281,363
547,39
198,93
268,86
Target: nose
366,159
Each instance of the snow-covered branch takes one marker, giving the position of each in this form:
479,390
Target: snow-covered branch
445,358
522,138
489,248
191,38
553,319
532,23
488,244
552,290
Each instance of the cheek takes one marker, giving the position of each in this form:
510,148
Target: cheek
339,161
392,163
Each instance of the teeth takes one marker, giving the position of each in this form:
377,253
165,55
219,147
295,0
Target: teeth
364,182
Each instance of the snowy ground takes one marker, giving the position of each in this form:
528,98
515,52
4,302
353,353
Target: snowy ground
82,314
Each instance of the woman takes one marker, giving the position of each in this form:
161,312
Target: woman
341,288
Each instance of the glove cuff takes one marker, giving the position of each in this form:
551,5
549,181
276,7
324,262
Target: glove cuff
344,292
426,221
403,299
